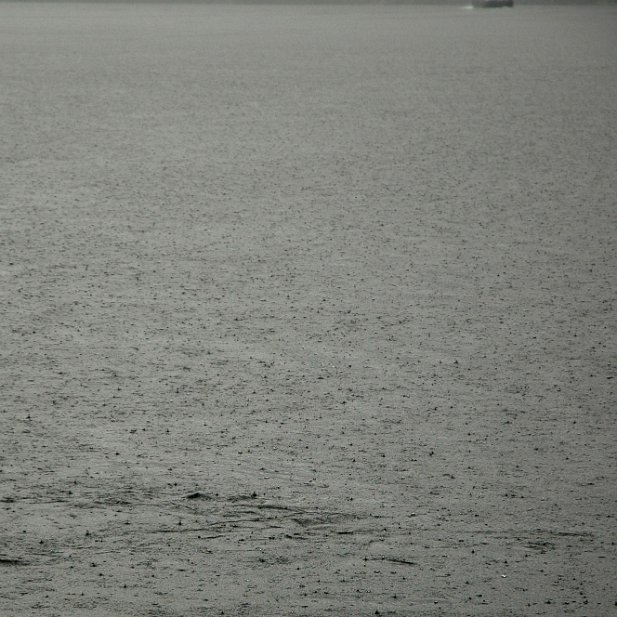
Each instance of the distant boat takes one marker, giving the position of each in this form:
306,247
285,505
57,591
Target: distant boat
491,4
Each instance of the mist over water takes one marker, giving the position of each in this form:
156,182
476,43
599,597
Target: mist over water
423,93
443,3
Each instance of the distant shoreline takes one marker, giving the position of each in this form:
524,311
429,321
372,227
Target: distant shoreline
325,2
